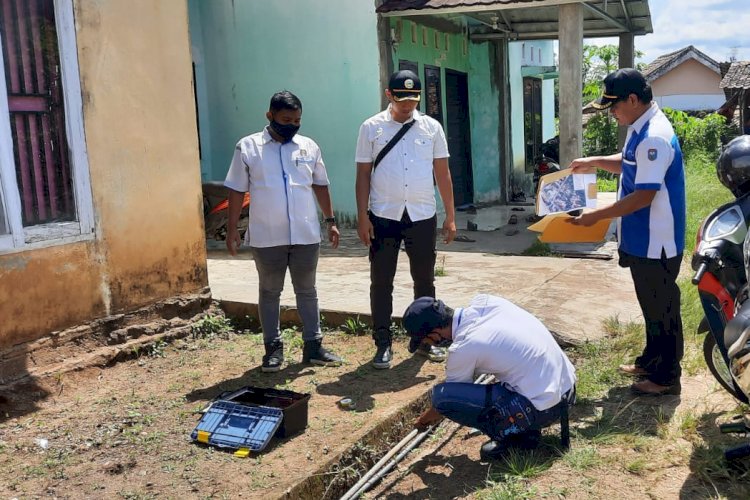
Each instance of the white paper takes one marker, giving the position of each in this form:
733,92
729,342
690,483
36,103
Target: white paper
565,193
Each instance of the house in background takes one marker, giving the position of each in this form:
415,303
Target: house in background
100,198
686,79
487,69
736,83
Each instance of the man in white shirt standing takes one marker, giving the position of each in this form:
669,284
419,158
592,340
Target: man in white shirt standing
534,378
284,174
399,153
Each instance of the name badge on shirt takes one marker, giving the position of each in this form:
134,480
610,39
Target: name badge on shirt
303,159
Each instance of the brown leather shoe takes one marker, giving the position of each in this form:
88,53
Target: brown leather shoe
648,388
632,370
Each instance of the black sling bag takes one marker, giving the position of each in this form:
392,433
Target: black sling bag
404,129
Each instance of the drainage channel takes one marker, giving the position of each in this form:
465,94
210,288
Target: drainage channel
369,460
336,477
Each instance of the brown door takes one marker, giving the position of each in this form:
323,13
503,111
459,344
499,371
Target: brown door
458,128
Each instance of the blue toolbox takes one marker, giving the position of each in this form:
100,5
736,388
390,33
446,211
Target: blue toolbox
247,419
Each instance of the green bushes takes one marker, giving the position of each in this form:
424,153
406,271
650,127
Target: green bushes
698,135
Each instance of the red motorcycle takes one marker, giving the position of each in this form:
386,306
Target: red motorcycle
216,211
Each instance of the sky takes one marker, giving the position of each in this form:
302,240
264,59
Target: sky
718,28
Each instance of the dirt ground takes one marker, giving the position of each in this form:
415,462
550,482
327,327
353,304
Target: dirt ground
123,431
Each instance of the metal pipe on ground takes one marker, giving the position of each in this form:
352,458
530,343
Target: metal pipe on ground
392,463
414,438
354,489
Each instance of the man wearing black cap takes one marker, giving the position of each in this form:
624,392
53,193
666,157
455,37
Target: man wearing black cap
651,230
399,152
534,378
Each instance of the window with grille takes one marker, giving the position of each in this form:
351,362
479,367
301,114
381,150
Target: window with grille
44,189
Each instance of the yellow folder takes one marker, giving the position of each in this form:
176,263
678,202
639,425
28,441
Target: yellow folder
556,229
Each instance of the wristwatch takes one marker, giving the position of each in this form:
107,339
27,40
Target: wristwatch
330,220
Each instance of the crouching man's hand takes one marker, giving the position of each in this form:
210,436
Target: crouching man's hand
426,419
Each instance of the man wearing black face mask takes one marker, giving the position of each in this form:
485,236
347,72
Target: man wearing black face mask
284,174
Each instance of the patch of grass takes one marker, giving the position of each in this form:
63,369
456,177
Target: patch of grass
637,466
597,362
581,457
156,350
510,488
440,267
538,249
292,339
211,326
354,326
523,464
398,330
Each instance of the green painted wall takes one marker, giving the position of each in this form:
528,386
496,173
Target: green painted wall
244,51
484,98
419,43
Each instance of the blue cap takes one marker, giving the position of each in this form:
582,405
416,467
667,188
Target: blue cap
421,317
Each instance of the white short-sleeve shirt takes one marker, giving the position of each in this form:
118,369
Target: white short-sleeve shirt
497,337
279,178
404,178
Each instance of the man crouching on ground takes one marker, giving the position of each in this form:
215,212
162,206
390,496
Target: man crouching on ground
533,377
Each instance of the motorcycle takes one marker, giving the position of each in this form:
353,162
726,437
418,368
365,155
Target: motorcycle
548,160
216,211
722,265
722,282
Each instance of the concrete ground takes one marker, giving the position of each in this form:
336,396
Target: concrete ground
571,296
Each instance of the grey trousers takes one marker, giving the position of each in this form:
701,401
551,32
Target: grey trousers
272,263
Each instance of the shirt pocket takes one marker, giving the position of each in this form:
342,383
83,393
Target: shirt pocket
302,169
423,147
378,143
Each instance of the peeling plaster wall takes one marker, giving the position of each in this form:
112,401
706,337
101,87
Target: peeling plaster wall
140,126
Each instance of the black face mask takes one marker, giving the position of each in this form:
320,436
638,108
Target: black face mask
285,131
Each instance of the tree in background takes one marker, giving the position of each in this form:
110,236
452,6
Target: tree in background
600,134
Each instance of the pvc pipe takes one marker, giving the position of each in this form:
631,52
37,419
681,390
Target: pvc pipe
390,465
354,489
373,475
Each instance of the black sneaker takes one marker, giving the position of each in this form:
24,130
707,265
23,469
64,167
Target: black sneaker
493,450
384,354
274,358
313,352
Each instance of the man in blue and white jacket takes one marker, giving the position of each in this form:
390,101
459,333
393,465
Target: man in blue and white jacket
651,229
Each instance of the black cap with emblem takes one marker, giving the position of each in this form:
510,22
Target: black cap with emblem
619,84
404,85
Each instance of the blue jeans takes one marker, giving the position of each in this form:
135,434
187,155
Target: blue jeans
493,409
272,263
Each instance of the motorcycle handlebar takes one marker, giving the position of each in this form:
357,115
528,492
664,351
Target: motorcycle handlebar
699,273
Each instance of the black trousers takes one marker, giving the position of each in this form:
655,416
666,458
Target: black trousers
419,241
656,287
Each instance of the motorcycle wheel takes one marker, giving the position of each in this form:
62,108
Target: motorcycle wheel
719,369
